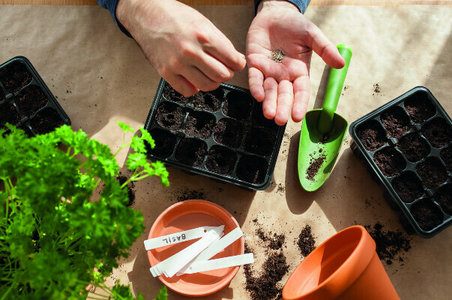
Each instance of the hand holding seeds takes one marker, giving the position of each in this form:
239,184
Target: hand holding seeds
279,47
184,47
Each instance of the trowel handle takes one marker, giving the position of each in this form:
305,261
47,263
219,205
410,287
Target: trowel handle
333,90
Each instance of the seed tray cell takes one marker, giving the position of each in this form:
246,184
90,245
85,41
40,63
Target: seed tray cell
26,101
406,145
220,134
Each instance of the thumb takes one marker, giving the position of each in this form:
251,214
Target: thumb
325,49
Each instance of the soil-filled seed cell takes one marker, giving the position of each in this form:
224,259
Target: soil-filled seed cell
432,172
260,120
252,169
199,124
8,114
164,142
45,121
396,121
30,99
413,146
371,135
14,76
408,187
170,94
191,151
389,161
260,141
443,197
170,115
221,160
26,129
237,105
438,132
427,214
209,101
228,132
419,107
446,156
2,95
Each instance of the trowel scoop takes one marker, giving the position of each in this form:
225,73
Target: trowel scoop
323,131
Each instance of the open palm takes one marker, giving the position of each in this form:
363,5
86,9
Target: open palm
283,84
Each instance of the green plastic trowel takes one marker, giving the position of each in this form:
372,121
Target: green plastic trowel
323,131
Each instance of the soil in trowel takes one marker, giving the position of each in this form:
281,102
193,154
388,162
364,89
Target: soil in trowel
315,163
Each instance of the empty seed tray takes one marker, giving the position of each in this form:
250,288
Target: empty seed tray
407,146
220,134
26,101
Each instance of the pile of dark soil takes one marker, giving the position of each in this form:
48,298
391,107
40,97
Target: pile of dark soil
314,165
265,286
306,241
391,245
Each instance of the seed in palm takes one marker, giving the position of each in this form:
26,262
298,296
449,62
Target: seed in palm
278,55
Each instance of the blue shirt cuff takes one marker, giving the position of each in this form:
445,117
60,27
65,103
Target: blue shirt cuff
301,4
111,6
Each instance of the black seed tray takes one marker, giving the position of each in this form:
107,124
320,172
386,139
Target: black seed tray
220,134
26,101
407,146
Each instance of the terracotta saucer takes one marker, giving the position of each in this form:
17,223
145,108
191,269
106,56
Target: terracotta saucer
186,215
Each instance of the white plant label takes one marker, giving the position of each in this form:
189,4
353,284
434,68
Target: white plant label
179,237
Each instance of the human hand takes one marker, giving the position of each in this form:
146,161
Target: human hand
186,49
281,80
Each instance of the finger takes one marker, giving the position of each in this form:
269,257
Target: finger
213,69
181,85
199,79
256,83
325,49
270,97
302,93
285,100
221,48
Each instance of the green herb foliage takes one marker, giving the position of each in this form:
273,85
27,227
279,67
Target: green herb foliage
64,220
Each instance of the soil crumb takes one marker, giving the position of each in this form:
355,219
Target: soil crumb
377,88
188,195
391,245
306,242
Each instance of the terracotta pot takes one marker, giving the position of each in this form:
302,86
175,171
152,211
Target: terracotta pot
346,266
